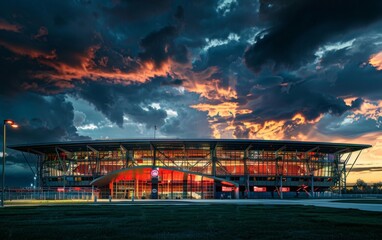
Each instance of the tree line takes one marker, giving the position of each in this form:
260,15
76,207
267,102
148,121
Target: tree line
362,187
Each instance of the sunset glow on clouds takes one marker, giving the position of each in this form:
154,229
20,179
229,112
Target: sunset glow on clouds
376,60
225,109
115,69
4,25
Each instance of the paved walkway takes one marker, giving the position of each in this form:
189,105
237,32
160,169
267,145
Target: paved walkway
306,202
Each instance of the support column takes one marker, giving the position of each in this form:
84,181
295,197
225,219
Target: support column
154,155
343,178
213,169
111,187
129,158
172,184
246,172
191,186
136,189
63,165
40,170
213,161
339,176
312,183
278,177
201,188
98,165
185,190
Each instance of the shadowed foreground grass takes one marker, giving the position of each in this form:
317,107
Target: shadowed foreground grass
187,222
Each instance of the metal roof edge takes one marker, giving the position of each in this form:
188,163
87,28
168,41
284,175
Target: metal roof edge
169,140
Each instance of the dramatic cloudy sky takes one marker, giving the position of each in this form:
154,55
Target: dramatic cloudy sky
297,69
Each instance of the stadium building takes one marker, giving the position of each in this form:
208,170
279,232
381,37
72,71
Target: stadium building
194,168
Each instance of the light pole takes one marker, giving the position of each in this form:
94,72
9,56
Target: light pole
34,186
14,125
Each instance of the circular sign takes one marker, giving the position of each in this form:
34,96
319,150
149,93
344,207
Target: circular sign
154,190
154,173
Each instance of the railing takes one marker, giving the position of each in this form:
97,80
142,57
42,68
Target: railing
86,194
50,194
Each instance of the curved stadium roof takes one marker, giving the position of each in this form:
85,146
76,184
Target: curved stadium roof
228,144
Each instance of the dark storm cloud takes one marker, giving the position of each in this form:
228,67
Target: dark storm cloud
342,73
114,101
222,56
334,57
103,98
300,28
316,92
175,82
179,14
347,126
40,118
203,20
13,72
67,36
159,46
346,72
356,104
134,10
72,42
42,48
355,81
190,123
241,131
135,102
279,102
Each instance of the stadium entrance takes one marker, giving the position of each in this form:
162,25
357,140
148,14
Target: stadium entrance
161,183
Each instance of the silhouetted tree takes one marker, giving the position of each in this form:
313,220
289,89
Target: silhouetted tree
377,187
360,186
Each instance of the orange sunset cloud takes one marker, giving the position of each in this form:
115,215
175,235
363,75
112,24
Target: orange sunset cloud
376,60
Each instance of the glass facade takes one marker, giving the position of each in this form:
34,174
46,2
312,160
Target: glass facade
171,184
194,169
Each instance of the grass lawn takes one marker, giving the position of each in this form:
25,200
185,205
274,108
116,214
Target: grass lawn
187,222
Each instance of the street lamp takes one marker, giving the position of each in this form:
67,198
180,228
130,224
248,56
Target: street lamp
14,125
34,186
